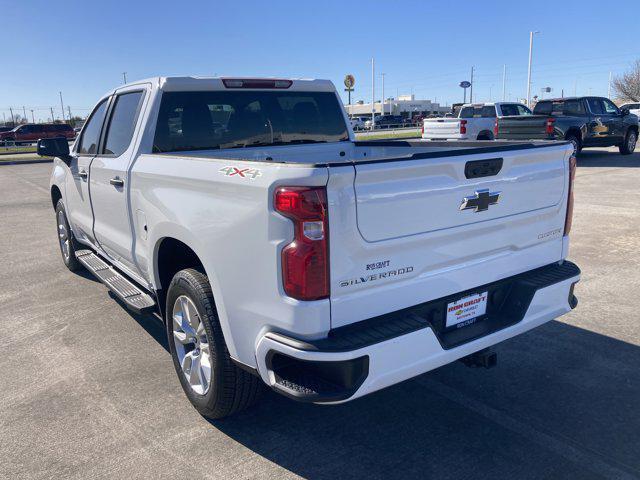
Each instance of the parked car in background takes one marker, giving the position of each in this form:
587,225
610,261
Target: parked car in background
386,121
357,123
325,281
631,107
6,129
32,132
584,121
474,122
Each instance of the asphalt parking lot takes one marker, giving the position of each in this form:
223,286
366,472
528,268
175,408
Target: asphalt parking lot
88,389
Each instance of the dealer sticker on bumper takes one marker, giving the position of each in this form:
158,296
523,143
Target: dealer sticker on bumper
462,312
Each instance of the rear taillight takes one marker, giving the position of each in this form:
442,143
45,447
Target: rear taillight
549,128
496,128
572,175
305,261
463,127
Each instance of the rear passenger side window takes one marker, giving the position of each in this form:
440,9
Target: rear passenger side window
573,108
88,144
123,122
488,111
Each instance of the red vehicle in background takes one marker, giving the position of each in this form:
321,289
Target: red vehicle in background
32,132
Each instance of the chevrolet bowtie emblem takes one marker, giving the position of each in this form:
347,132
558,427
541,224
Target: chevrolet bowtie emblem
480,201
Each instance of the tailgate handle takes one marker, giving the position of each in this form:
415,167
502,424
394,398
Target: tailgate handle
483,168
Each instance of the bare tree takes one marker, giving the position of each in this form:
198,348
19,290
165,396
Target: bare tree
627,86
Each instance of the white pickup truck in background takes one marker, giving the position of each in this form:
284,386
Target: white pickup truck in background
279,250
475,121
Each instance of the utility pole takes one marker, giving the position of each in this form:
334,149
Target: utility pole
609,89
529,73
24,113
471,89
62,106
69,111
124,77
504,82
52,117
4,118
373,94
13,121
33,119
382,75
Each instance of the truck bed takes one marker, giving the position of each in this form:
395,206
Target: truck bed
348,153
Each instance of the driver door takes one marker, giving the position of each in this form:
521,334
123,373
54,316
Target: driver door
77,201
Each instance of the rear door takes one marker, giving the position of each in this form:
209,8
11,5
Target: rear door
77,200
109,190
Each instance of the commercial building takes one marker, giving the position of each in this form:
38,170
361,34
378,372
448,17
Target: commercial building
405,105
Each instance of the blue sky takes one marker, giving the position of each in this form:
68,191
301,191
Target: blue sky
82,47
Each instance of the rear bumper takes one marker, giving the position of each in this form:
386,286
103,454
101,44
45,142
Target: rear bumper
373,354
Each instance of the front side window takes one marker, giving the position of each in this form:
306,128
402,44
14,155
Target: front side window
237,119
123,122
88,144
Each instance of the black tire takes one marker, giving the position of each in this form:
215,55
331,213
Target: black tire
577,144
231,389
629,144
65,238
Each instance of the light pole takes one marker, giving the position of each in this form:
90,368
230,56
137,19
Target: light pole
471,87
33,119
373,94
609,89
61,106
504,81
124,77
529,74
382,75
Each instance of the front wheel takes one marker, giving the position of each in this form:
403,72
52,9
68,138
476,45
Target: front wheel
214,385
65,239
629,144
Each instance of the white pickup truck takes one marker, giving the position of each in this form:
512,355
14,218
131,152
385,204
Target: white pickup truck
280,251
476,121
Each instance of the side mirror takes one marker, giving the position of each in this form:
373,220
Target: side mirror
624,111
54,147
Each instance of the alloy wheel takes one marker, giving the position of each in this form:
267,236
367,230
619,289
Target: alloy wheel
63,235
192,345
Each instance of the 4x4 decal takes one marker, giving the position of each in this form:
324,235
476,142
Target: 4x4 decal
250,173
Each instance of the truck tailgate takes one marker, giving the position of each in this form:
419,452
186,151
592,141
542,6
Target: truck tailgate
397,199
441,128
414,243
522,127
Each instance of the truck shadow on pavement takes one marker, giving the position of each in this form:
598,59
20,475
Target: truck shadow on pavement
562,403
604,158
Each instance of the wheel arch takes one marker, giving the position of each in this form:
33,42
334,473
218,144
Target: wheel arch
56,195
574,131
485,135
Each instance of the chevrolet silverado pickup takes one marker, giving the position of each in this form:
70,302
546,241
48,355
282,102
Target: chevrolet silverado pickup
474,121
280,251
583,121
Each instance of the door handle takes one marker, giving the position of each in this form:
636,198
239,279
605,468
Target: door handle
83,174
117,182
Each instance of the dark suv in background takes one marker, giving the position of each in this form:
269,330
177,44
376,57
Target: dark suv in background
584,121
32,132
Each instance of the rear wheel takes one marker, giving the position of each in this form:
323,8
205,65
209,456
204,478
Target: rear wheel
485,136
629,144
65,239
575,142
214,385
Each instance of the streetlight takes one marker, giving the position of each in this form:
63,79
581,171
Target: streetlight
529,74
61,106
